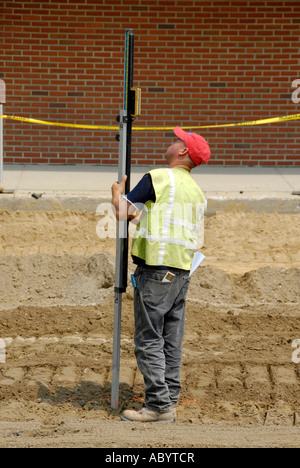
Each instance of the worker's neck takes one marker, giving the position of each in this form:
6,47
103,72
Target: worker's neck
180,166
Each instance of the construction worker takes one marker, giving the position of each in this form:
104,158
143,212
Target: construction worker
163,247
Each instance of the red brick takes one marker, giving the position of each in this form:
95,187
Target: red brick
197,62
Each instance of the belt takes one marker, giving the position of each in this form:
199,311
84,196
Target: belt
139,262
151,267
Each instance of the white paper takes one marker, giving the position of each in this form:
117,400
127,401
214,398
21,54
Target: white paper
197,260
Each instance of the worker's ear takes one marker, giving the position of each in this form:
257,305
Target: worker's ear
183,152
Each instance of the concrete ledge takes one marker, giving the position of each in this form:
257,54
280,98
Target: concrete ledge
257,204
279,203
83,188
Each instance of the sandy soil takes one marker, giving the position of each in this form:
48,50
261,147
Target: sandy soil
240,384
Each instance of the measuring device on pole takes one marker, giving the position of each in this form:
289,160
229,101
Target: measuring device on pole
131,109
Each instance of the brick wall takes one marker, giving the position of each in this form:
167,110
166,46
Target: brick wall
197,62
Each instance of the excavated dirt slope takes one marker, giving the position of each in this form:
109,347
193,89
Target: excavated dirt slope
240,362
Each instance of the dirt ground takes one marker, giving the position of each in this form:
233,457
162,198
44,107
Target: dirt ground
240,373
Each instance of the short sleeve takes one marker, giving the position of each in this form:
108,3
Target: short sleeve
143,192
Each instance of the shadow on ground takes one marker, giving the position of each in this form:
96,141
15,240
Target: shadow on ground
90,396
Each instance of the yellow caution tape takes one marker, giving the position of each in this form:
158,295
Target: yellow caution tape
147,129
58,124
240,124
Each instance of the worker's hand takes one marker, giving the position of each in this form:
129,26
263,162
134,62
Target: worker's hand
118,189
135,218
117,201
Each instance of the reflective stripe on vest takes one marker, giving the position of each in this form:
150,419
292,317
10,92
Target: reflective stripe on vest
167,221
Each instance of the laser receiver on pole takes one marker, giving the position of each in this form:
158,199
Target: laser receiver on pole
130,110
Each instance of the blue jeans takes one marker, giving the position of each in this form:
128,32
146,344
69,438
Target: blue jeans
159,310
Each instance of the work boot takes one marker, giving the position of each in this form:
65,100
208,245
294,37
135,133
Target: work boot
146,415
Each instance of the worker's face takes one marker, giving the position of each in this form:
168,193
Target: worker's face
174,150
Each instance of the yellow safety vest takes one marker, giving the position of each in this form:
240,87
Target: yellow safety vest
168,231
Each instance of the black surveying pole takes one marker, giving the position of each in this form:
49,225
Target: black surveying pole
125,119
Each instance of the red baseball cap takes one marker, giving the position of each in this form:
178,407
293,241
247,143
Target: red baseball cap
198,147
